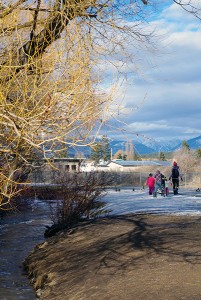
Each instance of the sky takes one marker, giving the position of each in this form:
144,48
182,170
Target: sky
162,100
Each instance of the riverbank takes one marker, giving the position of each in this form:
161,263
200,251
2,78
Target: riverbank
126,257
20,231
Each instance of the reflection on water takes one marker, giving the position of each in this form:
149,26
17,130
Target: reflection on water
20,232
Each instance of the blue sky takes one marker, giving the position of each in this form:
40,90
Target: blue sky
160,99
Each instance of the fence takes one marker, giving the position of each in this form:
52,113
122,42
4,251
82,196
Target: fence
135,179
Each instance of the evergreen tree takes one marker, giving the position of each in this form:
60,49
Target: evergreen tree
198,152
101,150
185,145
105,148
162,156
96,153
63,153
124,157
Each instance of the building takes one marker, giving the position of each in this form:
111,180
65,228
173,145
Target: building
136,165
50,169
119,165
67,164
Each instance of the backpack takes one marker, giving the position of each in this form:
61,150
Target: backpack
163,179
175,173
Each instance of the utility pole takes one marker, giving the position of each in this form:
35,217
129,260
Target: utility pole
130,150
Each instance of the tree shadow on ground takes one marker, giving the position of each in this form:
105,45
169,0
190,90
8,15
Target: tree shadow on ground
120,246
143,240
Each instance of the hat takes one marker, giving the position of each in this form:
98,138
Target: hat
174,163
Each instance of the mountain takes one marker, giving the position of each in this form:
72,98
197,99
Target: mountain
146,146
139,148
115,145
172,145
193,143
161,145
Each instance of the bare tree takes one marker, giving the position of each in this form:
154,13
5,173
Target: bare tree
186,159
192,7
50,97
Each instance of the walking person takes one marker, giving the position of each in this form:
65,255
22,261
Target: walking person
175,174
150,183
158,183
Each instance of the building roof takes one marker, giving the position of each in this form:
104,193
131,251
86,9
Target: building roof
68,159
130,163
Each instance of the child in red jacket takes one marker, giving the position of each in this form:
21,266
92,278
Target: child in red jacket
150,183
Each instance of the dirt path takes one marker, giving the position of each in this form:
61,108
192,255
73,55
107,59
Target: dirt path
141,257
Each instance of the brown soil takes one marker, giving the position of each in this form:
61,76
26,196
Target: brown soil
136,257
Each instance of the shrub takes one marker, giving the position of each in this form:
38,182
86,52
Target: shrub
79,197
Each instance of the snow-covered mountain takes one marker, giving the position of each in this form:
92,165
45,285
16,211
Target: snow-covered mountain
161,145
193,143
139,148
146,146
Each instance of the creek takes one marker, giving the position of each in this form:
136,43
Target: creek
20,232
23,229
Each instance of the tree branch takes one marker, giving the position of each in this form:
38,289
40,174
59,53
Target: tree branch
9,9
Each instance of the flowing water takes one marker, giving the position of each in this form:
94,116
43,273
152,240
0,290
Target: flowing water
20,232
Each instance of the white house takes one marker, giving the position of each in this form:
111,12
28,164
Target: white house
91,166
119,165
135,165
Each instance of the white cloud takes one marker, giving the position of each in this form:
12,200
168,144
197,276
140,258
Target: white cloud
165,101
